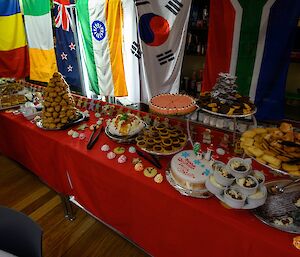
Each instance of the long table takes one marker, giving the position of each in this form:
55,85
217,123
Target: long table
154,216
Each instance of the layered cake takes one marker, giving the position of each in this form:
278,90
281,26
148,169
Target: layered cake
172,104
188,171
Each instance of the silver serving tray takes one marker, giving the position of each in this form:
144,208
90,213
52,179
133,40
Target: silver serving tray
204,193
164,154
81,117
281,172
260,212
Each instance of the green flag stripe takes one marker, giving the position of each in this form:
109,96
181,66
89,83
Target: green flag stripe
84,19
248,43
36,7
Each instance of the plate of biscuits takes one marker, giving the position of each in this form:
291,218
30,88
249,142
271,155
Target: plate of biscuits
162,139
277,148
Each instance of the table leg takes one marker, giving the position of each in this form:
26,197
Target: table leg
68,209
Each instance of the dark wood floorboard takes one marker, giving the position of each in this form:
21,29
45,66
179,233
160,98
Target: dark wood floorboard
84,237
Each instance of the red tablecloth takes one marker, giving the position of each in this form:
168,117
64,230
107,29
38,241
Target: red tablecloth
155,216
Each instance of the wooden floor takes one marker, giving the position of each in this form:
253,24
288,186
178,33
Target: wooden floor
85,236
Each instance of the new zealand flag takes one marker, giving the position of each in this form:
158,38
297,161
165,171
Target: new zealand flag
65,44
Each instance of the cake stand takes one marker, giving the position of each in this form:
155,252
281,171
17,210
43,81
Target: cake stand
234,117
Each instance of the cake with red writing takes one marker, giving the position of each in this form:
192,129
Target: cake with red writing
172,104
189,171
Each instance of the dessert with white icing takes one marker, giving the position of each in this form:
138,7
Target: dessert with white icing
111,155
188,171
105,148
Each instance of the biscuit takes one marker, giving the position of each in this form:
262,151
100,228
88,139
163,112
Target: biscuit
289,167
271,160
150,172
255,151
259,130
249,133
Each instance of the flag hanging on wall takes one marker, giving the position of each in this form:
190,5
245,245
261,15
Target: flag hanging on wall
101,24
14,61
253,40
38,25
65,48
131,51
162,31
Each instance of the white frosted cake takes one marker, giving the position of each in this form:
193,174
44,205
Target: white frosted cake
189,171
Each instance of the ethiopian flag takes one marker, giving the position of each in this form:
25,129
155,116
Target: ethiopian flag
38,25
253,40
101,24
14,61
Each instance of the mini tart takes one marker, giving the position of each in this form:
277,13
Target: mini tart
173,134
168,149
158,148
176,140
150,141
167,142
139,138
157,140
153,129
163,131
176,147
155,134
160,126
164,136
141,144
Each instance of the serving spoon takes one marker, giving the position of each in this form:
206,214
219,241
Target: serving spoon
280,189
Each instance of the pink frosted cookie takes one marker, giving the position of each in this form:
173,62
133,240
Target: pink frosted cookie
82,136
111,155
122,159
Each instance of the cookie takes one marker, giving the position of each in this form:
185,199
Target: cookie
119,150
150,172
158,178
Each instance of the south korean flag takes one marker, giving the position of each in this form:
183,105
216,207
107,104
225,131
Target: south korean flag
162,28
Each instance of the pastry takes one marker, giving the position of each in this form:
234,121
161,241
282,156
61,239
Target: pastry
105,148
126,124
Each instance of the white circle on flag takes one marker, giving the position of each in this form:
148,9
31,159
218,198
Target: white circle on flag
98,30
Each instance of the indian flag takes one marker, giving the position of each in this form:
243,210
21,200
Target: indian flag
38,24
101,24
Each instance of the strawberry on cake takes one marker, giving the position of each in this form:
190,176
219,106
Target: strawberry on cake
172,104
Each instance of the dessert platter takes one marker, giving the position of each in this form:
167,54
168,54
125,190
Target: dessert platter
224,99
187,174
276,148
237,185
172,104
59,110
11,95
124,128
162,139
281,210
